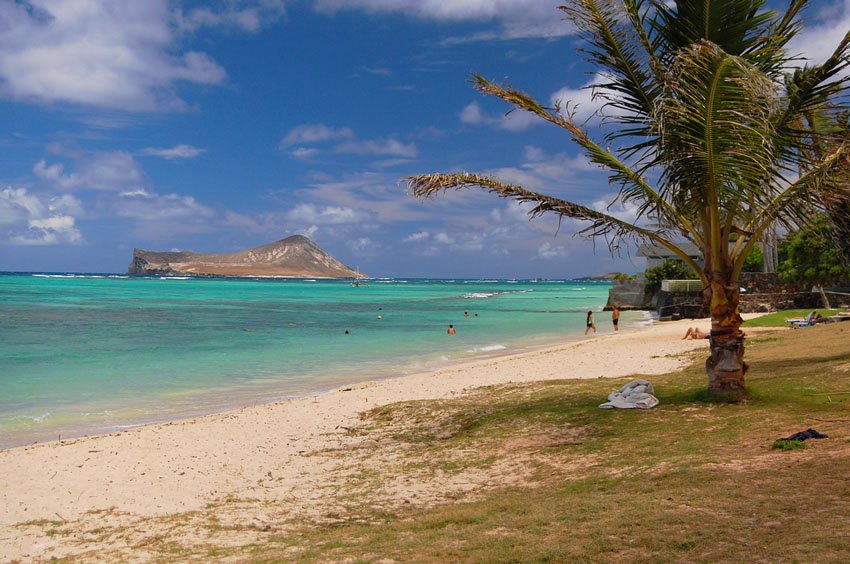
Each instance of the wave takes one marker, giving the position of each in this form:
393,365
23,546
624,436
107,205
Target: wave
34,418
488,348
479,295
73,276
175,277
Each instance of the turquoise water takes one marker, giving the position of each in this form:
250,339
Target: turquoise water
85,354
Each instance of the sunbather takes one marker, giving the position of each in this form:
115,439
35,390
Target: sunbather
695,333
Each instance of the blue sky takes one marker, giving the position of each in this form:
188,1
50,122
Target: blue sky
217,126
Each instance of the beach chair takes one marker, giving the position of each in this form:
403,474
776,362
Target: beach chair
797,322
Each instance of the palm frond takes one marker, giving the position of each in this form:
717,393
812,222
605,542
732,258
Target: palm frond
796,202
614,230
625,54
733,25
813,88
633,187
715,138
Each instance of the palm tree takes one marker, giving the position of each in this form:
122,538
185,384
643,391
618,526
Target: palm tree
709,142
831,130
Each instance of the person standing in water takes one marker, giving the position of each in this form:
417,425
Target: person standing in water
615,318
590,323
451,330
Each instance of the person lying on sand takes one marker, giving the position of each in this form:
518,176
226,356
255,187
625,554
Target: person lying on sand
695,333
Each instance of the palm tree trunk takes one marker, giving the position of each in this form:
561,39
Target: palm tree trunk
823,299
725,367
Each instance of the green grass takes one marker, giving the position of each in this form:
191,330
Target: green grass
778,319
781,444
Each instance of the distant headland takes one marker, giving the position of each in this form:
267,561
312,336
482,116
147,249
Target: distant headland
293,257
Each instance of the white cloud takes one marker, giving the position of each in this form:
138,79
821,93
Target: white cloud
49,231
416,237
109,170
310,134
386,147
176,152
346,142
16,204
558,174
102,53
515,18
304,152
627,212
244,15
363,246
822,34
150,207
33,220
56,175
378,71
581,102
548,251
578,101
309,231
65,204
444,239
328,215
518,120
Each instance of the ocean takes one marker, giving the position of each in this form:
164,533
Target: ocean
84,354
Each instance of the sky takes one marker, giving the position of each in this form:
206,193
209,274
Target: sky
221,125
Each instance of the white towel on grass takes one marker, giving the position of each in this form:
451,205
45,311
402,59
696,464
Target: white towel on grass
636,394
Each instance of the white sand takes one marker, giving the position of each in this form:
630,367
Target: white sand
181,466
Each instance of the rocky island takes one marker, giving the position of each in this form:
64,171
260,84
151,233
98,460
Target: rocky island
293,257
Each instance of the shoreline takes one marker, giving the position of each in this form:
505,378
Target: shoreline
184,465
205,402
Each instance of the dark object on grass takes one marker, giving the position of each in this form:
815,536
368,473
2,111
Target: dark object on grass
805,435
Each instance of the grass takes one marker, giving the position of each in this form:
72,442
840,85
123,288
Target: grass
560,480
788,445
689,480
778,318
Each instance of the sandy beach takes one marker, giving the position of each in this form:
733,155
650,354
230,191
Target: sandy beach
269,452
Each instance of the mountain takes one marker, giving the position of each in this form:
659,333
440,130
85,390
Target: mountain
296,257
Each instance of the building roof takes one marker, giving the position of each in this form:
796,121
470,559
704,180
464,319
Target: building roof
657,251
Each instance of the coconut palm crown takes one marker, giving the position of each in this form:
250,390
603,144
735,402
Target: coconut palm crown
712,139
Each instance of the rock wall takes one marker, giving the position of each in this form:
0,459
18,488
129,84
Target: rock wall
765,292
629,294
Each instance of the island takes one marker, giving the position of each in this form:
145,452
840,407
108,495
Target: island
293,257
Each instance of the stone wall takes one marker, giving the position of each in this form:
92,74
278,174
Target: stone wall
765,292
629,294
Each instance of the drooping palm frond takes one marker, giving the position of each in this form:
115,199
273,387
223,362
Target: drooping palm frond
796,202
633,187
811,89
626,53
600,224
